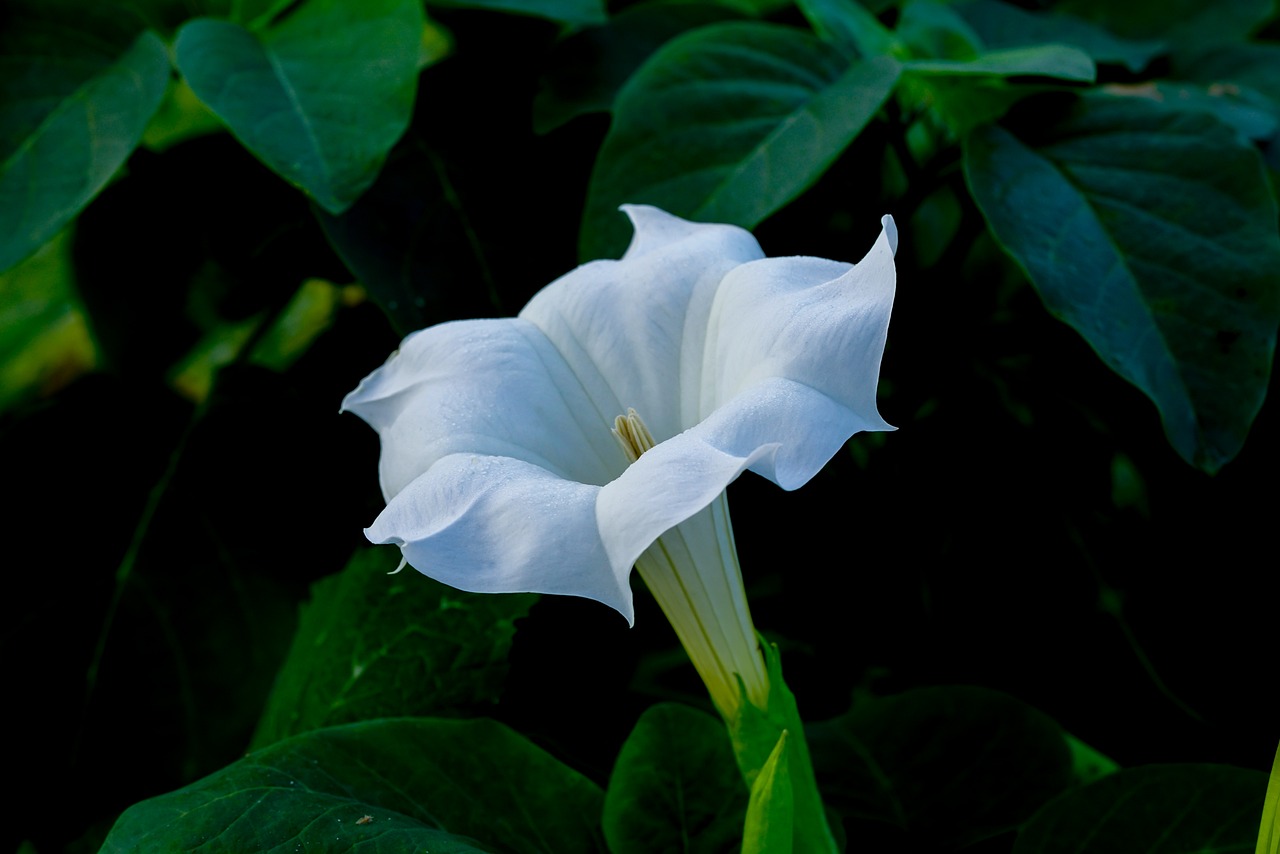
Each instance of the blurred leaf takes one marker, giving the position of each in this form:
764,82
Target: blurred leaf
1087,764
1152,232
158,268
387,786
371,645
1235,70
963,102
1048,60
44,340
770,811
320,96
303,320
933,30
309,313
851,27
942,766
587,69
78,85
1001,25
933,226
675,786
1252,115
256,13
577,12
193,376
729,123
1180,22
412,244
165,16
1208,809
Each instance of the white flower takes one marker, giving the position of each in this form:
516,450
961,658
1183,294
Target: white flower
514,451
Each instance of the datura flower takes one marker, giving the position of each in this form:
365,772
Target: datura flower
598,430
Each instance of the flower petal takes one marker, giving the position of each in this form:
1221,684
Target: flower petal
809,320
633,330
495,387
500,525
793,358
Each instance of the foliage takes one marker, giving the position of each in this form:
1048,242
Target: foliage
216,216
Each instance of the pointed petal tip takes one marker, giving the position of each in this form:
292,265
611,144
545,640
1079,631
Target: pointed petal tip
890,232
652,228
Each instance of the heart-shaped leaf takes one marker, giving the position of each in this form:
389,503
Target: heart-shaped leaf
320,95
728,123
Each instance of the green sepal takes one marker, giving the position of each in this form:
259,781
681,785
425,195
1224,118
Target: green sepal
755,734
771,810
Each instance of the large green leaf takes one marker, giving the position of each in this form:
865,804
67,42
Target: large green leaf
371,645
386,786
77,87
320,95
728,123
938,768
1152,232
675,786
1156,809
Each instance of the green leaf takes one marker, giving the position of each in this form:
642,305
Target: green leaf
1234,68
320,96
385,786
576,12
1049,60
770,812
1152,232
77,88
44,339
1252,115
675,786
1192,23
1001,26
373,645
933,30
969,93
943,766
256,13
1208,809
851,27
729,123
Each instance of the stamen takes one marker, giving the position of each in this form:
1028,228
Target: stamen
632,435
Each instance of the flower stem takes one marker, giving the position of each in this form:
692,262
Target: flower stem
693,573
